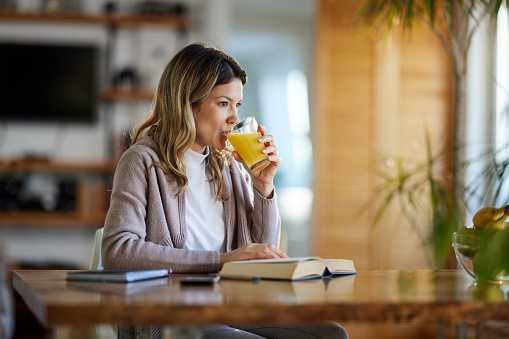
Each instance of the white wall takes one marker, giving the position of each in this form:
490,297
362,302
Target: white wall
270,39
480,113
148,49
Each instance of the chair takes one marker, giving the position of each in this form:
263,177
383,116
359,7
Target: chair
107,331
96,263
102,331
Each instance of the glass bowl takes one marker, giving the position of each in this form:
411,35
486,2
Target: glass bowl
465,247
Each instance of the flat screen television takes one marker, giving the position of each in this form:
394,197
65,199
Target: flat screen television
48,83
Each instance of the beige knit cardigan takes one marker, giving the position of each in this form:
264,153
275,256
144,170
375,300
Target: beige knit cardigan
146,225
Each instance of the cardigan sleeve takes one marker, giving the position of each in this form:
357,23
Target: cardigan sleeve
264,222
143,223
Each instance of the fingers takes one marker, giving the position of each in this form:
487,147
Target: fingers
279,253
270,252
275,160
261,251
266,139
270,148
272,155
252,252
262,130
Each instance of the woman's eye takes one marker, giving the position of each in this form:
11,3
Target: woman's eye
223,104
239,104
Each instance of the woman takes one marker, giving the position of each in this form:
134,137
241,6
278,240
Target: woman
179,199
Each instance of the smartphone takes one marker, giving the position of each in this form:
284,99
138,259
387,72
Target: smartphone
200,280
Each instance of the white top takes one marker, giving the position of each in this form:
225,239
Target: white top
206,227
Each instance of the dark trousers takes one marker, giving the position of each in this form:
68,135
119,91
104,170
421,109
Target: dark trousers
276,331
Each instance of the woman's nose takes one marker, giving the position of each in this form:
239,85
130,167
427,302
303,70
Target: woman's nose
234,117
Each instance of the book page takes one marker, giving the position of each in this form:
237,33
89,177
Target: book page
340,265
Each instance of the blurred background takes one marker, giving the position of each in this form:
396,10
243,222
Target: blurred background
120,66
342,105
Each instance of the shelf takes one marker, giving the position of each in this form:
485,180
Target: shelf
175,21
57,166
41,218
93,178
91,205
119,93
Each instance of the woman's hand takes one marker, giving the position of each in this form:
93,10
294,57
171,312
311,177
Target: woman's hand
263,180
251,252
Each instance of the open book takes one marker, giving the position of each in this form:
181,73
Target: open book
287,268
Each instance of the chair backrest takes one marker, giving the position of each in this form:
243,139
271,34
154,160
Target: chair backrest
103,331
96,263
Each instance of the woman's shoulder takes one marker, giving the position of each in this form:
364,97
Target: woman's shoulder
145,150
145,145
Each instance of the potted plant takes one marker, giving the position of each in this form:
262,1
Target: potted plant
423,194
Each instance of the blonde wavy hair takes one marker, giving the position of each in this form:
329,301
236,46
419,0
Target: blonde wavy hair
186,80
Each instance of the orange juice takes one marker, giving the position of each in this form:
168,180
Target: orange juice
247,145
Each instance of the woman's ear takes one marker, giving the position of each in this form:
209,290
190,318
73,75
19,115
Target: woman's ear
195,107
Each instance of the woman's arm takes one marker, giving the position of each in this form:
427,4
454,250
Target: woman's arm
264,225
258,222
265,215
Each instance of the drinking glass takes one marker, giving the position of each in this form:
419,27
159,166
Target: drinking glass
244,138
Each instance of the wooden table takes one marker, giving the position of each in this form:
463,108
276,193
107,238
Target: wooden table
421,296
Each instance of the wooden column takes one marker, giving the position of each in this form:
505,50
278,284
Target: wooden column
342,133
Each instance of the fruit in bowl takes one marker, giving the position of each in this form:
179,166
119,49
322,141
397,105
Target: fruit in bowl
491,218
483,250
469,247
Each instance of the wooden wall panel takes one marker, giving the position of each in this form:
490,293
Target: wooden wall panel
374,99
341,134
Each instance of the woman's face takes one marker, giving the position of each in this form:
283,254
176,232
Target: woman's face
215,116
